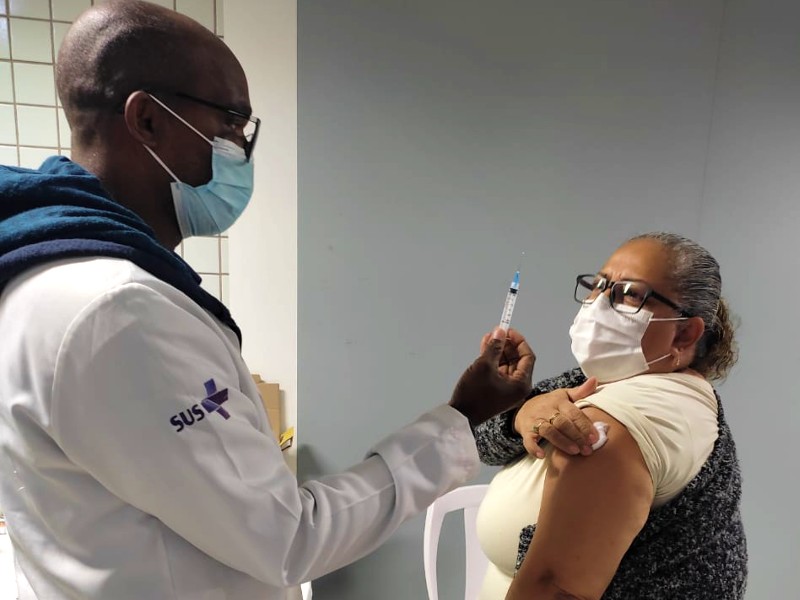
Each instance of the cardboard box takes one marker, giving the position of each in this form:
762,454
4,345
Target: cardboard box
271,398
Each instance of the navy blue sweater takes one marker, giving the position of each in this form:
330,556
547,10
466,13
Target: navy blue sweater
62,211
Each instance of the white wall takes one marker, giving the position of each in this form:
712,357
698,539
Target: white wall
263,244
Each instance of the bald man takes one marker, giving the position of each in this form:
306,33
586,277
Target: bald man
137,460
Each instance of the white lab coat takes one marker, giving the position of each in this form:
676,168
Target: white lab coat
119,482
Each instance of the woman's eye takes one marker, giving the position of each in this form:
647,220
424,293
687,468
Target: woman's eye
634,297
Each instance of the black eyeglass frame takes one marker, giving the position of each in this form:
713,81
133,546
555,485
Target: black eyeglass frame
608,284
248,144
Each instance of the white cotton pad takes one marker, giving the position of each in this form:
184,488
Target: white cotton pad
602,428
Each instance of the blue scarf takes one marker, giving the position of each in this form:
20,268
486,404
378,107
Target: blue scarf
62,211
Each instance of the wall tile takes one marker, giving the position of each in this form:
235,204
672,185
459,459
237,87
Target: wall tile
29,36
202,253
68,10
223,255
6,91
4,45
226,290
201,11
39,9
8,155
34,84
59,31
210,284
32,158
37,126
64,137
30,40
8,129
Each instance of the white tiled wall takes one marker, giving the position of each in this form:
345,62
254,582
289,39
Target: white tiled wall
33,127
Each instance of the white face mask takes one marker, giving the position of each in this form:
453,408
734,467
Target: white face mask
608,344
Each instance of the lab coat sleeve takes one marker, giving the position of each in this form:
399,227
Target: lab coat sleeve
128,408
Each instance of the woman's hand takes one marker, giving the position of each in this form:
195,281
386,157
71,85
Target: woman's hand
554,417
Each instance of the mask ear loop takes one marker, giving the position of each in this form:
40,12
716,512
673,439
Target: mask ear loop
660,319
678,357
161,162
180,118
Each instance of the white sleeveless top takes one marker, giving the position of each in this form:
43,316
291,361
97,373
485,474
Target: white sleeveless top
672,417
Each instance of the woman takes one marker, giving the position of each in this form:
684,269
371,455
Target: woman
654,512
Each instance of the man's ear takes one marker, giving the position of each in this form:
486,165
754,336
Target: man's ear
143,117
689,333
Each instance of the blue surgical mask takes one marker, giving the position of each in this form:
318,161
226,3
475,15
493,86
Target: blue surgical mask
211,208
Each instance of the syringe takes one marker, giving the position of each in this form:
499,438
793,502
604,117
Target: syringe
511,299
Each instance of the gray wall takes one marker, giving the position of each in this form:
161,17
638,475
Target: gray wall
440,139
750,216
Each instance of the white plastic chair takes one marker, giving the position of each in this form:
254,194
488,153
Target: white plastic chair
305,589
466,498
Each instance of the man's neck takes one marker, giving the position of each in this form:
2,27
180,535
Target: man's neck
134,190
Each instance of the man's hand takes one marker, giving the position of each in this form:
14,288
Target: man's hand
553,417
499,379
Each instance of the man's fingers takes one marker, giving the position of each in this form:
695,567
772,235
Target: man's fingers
493,350
522,356
523,370
484,341
516,340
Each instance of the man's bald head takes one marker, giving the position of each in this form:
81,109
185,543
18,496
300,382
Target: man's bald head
116,48
138,83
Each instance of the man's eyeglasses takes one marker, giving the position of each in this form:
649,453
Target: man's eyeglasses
625,296
238,120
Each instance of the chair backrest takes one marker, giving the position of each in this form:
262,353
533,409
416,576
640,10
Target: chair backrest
468,499
305,589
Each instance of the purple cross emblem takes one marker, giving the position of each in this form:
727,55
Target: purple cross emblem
214,399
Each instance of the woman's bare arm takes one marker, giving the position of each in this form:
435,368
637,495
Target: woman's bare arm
592,509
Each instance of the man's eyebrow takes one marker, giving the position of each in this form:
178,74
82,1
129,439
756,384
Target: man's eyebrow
245,109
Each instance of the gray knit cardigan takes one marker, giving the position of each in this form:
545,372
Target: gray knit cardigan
691,548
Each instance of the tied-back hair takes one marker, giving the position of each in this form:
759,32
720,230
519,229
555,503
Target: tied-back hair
695,277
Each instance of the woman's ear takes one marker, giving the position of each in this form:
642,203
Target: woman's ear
142,117
689,333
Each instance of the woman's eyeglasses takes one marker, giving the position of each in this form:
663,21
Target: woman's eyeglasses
625,296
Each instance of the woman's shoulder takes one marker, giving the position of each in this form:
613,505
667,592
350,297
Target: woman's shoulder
670,391
672,417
